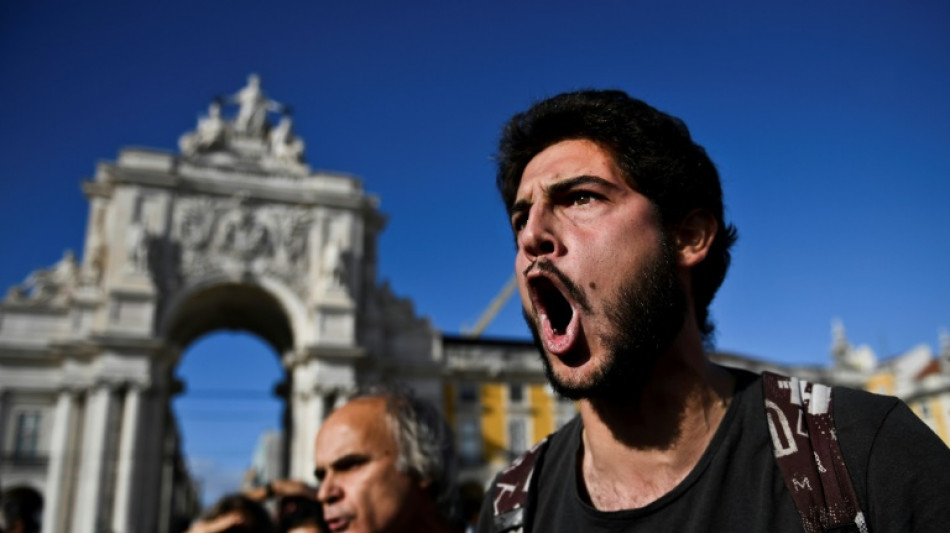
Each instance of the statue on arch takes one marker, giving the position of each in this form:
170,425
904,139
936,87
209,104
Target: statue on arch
137,248
285,146
254,105
208,135
333,263
49,285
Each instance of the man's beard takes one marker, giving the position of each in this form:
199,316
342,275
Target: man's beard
645,316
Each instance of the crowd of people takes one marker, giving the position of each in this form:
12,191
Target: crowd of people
385,461
295,509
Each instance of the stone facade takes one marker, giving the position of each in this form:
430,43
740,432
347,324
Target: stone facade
234,232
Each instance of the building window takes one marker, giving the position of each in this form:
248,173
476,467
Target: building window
517,436
468,393
27,435
516,393
470,441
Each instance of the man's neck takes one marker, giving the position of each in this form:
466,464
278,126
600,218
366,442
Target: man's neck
638,448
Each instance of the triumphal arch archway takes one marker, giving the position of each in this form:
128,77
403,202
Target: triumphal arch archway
234,231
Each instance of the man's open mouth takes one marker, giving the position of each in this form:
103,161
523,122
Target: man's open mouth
555,314
551,303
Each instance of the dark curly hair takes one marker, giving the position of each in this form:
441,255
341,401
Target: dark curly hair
654,151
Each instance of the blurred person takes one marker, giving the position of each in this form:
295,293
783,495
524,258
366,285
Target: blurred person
304,524
281,488
621,245
386,463
22,510
300,514
471,496
296,504
234,513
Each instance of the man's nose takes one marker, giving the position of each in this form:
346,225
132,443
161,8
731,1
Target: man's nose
328,491
538,237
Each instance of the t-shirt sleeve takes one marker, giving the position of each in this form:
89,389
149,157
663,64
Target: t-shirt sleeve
908,476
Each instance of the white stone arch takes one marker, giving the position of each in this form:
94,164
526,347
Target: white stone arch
90,343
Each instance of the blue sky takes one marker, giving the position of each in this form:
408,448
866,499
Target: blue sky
828,122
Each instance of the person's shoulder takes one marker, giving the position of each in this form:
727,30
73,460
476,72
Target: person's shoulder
564,435
526,463
860,407
555,443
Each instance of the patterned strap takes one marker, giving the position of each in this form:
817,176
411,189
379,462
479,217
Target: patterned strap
510,491
806,448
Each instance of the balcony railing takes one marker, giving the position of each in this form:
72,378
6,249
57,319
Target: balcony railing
21,460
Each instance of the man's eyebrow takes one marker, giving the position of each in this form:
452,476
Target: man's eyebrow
561,187
519,207
349,460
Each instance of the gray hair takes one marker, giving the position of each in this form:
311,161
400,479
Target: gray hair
426,444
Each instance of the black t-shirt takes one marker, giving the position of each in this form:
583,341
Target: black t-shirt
900,470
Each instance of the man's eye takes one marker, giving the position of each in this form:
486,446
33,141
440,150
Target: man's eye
351,462
517,224
581,198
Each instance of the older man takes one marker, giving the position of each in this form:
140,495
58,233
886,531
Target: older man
621,243
386,462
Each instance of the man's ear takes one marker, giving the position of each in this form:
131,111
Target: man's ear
694,236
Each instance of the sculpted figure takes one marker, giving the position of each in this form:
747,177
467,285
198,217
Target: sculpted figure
50,284
254,105
137,248
284,145
334,265
209,133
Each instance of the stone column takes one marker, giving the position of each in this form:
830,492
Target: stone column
168,482
298,445
92,461
55,508
153,404
4,407
126,472
316,411
308,411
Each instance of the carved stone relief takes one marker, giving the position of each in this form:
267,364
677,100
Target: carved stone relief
335,259
228,236
137,248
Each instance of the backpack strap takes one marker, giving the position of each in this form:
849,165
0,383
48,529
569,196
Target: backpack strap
805,443
510,491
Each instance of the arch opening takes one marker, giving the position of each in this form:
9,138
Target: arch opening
231,415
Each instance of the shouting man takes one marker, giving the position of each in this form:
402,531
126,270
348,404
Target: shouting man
621,245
